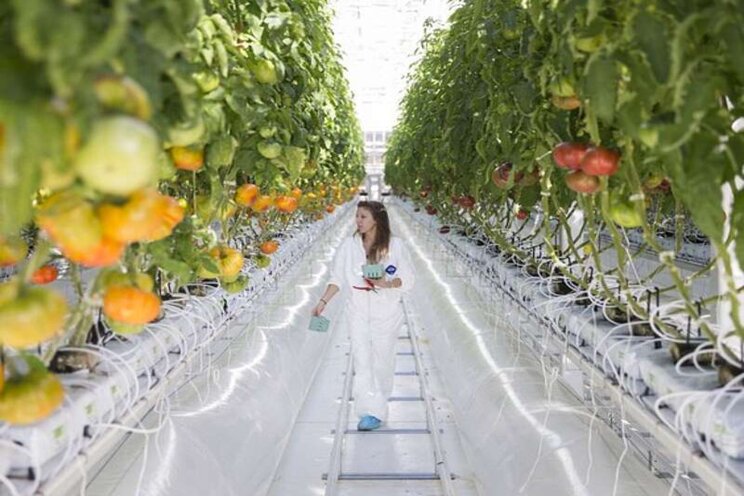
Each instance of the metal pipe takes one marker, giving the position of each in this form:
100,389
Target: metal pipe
335,465
445,476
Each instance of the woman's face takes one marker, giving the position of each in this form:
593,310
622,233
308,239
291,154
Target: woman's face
364,221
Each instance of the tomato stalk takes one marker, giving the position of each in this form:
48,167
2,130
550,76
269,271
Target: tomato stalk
668,261
36,260
587,204
619,246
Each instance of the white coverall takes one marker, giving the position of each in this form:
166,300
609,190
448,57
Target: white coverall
374,319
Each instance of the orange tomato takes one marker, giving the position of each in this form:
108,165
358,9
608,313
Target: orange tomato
286,204
246,195
171,214
269,247
330,208
130,305
262,204
106,252
147,216
44,274
229,261
187,157
296,193
72,223
70,220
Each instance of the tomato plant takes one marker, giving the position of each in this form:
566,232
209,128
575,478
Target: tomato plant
132,135
636,100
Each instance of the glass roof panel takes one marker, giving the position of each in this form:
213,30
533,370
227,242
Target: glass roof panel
378,39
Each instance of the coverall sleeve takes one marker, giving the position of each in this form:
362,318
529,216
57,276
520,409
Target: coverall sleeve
339,264
405,269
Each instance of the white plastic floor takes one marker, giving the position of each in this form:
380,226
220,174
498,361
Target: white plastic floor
540,441
402,446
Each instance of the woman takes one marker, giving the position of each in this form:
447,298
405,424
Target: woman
373,308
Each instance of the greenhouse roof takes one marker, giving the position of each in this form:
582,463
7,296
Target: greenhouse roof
378,39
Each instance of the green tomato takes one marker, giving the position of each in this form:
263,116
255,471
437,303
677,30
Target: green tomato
34,316
207,81
31,396
269,150
265,72
187,133
267,131
653,181
262,261
562,87
589,44
510,33
123,94
649,136
235,286
623,213
120,157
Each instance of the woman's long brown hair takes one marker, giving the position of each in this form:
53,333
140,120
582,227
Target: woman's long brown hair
382,240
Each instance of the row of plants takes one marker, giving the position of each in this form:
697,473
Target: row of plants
616,115
149,145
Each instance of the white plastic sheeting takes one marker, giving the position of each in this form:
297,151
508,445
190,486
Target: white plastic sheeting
224,431
184,370
524,431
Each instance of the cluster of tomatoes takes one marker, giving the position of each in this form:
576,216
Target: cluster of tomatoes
586,163
465,202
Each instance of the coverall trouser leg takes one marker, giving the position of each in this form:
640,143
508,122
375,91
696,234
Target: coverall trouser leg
373,349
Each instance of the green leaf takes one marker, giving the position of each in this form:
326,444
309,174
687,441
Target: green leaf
176,268
642,84
630,117
524,94
594,7
22,156
734,39
220,152
652,36
529,196
600,86
699,186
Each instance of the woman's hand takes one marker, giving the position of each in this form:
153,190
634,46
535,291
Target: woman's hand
319,308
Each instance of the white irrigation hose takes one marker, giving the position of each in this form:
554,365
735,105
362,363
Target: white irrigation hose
126,371
9,485
122,368
530,475
668,313
34,466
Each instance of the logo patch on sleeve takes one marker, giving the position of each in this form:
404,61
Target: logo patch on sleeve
391,269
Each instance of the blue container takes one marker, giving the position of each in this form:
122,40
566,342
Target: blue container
319,324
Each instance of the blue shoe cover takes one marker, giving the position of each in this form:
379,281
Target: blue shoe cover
369,423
